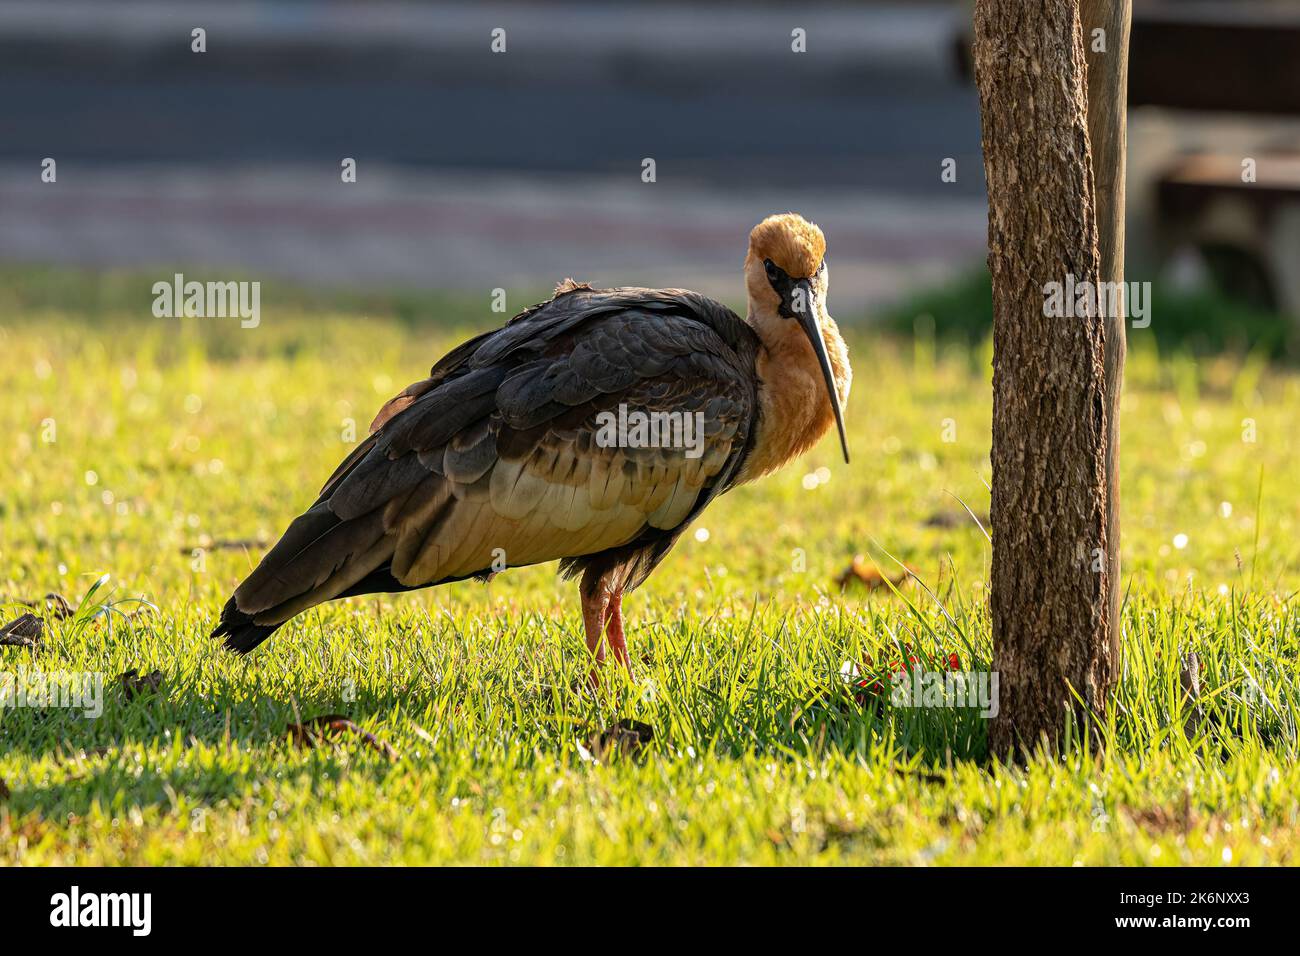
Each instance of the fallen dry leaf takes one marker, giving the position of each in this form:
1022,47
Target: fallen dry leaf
868,575
135,684
330,727
220,544
625,736
1163,818
56,606
954,519
24,631
923,775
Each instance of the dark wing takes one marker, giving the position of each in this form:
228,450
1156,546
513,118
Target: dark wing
497,457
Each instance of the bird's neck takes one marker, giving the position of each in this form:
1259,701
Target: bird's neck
795,411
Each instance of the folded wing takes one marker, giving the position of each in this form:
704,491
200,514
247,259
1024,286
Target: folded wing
510,453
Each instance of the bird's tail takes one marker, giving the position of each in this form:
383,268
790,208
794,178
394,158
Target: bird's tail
320,557
240,632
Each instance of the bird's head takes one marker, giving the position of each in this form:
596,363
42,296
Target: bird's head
786,278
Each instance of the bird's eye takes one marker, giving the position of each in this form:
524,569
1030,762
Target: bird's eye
772,271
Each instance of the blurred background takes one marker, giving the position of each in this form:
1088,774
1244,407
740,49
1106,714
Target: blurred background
140,442
156,458
478,170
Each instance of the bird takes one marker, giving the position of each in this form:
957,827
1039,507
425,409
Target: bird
536,442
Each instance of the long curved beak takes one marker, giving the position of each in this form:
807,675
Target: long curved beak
807,319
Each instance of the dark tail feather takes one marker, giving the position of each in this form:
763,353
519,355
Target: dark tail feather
241,634
317,554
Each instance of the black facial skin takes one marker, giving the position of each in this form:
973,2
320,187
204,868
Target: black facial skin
806,316
785,286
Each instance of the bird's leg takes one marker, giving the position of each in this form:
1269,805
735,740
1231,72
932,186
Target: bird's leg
614,629
595,602
594,613
602,615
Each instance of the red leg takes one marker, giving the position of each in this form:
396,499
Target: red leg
602,617
614,630
594,608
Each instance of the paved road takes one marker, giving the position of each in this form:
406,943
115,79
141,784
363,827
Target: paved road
479,170
708,91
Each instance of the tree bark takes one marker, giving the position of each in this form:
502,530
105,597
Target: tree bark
1050,595
1108,135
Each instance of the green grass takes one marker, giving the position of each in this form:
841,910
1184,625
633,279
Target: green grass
174,443
1204,322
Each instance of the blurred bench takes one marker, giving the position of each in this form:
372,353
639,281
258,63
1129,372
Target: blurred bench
1239,56
1247,234
1235,56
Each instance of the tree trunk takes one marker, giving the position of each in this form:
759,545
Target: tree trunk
1050,596
1108,134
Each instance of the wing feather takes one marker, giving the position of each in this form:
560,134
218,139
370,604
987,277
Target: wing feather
497,449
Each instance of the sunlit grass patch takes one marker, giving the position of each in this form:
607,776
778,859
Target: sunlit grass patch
168,454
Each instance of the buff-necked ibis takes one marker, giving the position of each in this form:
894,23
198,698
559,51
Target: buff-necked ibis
512,451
